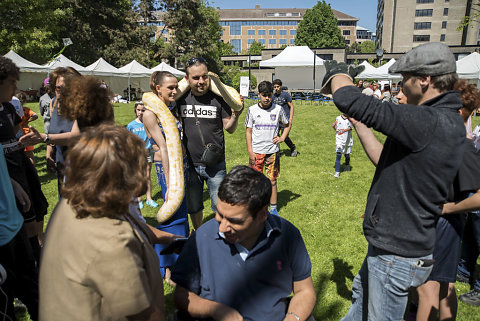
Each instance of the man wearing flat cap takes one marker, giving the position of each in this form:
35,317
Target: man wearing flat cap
414,169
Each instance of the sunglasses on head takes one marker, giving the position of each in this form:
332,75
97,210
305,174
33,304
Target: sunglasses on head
193,61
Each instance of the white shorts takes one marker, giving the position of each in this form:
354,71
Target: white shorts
344,149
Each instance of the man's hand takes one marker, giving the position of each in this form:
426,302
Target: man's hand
21,195
32,138
334,68
277,140
341,131
226,313
237,113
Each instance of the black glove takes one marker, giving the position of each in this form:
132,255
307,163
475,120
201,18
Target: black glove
334,68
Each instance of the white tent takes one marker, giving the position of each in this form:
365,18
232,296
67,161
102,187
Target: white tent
380,73
469,68
62,61
31,74
101,68
165,67
294,66
138,79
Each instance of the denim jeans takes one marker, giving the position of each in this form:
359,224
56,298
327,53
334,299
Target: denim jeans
337,161
380,289
213,176
470,248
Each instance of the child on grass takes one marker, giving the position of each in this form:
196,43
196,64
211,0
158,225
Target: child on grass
28,116
343,141
263,123
136,127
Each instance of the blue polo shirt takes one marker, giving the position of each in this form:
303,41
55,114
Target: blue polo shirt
258,286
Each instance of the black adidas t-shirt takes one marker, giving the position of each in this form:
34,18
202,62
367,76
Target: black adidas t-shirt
211,109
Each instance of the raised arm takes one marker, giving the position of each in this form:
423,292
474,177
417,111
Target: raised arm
198,307
231,123
303,300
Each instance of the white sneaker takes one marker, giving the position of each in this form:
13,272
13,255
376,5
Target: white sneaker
337,175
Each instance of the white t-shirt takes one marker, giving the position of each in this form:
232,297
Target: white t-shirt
265,125
367,91
344,139
377,93
18,106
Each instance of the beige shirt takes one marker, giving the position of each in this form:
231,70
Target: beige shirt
96,269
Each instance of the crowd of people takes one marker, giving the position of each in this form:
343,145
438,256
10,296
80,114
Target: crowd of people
100,260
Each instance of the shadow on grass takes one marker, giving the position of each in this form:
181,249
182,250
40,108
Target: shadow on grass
285,196
321,312
341,272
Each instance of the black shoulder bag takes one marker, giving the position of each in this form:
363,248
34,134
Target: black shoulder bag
212,153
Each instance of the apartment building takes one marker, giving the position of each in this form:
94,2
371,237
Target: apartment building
273,28
364,34
404,24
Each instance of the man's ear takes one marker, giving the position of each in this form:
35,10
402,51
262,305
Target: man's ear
424,81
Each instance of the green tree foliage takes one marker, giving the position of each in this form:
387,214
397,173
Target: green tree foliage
353,48
31,28
319,29
236,80
225,49
255,48
196,31
368,46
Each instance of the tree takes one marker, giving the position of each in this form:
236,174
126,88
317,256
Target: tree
225,49
368,46
236,80
353,48
196,30
474,16
319,29
255,48
31,28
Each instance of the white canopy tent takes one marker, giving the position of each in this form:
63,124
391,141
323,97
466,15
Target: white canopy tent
115,79
294,66
469,68
165,67
380,73
31,74
138,79
62,61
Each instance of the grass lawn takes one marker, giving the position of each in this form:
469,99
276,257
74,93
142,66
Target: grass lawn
325,209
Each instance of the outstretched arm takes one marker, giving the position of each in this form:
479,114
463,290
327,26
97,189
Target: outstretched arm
370,143
469,204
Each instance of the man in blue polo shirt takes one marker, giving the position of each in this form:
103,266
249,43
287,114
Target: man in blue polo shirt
244,264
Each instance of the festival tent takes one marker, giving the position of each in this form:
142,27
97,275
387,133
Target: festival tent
469,68
165,67
115,79
294,66
62,61
31,74
380,73
138,79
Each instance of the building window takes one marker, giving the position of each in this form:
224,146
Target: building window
444,25
282,41
251,32
422,25
421,38
262,41
250,41
346,32
445,11
442,37
293,32
423,12
272,32
292,41
347,41
272,41
235,28
282,32
261,32
237,45
424,1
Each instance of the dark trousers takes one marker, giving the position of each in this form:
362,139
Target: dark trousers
22,276
470,248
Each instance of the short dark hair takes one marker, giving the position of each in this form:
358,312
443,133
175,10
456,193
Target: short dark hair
246,186
157,78
265,87
195,61
8,68
445,82
277,82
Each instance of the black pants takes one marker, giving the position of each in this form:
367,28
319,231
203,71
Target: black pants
288,141
22,276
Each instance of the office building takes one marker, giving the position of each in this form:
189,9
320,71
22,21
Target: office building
364,34
404,24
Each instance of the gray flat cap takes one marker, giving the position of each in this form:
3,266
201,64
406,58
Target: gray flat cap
431,59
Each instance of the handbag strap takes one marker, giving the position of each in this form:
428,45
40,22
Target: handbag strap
197,123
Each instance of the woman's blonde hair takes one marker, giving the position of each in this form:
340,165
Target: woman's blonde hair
105,169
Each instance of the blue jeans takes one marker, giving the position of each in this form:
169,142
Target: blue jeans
470,248
380,289
213,176
337,161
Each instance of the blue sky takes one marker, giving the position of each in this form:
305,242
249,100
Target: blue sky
365,10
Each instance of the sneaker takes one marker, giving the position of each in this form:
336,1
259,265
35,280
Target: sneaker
293,152
336,175
471,298
274,212
462,278
140,204
152,203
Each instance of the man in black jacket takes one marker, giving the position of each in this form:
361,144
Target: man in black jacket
414,169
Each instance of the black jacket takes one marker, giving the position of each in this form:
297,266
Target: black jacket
420,158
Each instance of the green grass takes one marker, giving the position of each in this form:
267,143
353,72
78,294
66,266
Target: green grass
326,210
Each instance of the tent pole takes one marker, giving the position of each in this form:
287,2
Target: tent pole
129,98
314,61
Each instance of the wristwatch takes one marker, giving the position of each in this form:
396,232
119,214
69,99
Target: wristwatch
47,139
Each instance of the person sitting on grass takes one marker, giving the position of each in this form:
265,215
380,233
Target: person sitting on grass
343,141
245,263
263,122
136,127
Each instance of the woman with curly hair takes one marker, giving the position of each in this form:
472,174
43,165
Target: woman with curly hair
164,84
107,269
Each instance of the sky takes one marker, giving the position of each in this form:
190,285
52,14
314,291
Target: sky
365,10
